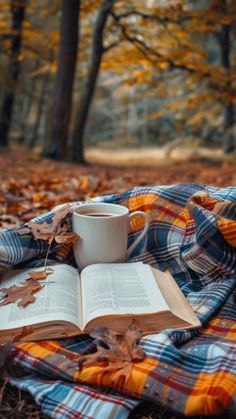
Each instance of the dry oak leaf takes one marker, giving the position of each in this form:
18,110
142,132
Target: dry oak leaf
66,236
24,294
54,230
8,350
38,275
120,353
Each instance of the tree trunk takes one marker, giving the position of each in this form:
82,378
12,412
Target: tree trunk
89,88
65,77
41,101
27,108
18,13
225,45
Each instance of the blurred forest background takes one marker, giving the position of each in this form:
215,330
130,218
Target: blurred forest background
83,79
112,74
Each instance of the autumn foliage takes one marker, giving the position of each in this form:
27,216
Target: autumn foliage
155,70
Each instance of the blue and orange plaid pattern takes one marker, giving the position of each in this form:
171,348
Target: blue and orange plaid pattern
193,234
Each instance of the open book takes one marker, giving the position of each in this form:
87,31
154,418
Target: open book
102,295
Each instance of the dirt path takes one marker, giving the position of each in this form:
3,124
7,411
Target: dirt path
155,156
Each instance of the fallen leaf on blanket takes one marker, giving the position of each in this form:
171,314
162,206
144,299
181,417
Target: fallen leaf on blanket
119,352
54,230
8,350
65,236
24,293
43,231
38,275
60,214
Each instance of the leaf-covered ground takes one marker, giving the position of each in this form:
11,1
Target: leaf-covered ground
30,186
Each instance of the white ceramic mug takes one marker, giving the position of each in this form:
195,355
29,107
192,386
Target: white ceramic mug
103,230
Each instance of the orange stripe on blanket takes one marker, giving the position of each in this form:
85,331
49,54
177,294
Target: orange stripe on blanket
97,375
225,328
158,209
40,350
228,229
140,203
204,201
66,361
211,394
183,219
49,351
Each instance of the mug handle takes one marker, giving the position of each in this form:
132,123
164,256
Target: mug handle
142,234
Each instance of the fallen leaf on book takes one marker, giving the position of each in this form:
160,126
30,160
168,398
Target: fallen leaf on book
8,350
54,230
120,353
24,293
38,275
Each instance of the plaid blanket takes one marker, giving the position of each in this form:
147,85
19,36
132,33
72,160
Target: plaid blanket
193,234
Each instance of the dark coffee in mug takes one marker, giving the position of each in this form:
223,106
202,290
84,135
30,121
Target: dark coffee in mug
97,214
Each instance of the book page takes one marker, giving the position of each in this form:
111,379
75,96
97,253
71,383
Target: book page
119,288
58,300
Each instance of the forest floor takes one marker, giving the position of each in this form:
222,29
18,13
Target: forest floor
30,186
